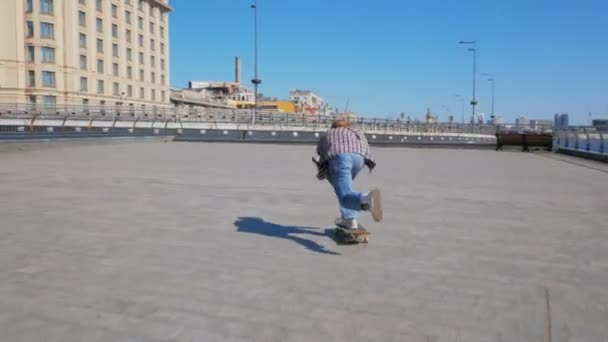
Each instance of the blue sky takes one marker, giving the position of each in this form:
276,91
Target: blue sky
394,56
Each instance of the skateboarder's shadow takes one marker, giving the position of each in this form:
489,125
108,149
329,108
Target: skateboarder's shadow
255,225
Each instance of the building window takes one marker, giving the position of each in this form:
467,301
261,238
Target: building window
82,2
162,48
115,69
99,45
162,79
141,75
29,6
128,2
83,62
116,89
48,55
140,22
153,61
100,87
152,44
115,50
82,18
130,90
49,100
140,5
141,58
82,41
153,93
114,11
162,32
142,94
99,25
129,54
30,29
31,78
151,27
162,16
47,30
162,64
153,77
141,40
31,54
100,66
162,96
46,6
99,5
128,17
114,30
48,79
130,72
32,99
128,34
84,84
151,11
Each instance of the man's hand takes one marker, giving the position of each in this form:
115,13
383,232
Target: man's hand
322,168
371,164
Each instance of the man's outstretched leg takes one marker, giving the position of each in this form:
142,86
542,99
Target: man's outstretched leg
372,202
343,169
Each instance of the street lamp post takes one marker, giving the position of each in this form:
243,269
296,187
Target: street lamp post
256,81
461,100
474,50
491,80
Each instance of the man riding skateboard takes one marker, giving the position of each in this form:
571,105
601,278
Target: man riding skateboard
343,152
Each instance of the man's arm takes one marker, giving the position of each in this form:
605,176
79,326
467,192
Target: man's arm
321,163
369,158
322,146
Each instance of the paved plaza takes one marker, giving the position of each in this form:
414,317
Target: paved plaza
163,241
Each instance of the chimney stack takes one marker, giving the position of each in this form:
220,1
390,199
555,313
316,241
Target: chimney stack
237,70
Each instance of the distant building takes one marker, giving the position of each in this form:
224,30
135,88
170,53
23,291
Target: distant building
522,122
217,94
541,125
430,118
232,94
307,101
277,106
192,99
600,123
560,121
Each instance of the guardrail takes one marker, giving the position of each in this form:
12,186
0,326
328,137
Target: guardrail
585,141
201,124
240,117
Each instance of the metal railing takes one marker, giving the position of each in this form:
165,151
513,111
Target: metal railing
583,140
236,116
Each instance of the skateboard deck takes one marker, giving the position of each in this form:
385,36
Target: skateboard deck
344,236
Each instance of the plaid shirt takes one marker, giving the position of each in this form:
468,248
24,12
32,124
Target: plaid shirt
342,140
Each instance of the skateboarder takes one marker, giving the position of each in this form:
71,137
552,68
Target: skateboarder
343,152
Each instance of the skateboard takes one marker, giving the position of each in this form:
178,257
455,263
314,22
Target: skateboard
346,236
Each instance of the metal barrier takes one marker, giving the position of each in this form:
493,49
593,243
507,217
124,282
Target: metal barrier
584,141
183,116
39,121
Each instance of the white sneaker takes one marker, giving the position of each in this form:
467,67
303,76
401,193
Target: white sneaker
346,223
373,202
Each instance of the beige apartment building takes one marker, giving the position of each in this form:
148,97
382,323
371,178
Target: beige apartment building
92,53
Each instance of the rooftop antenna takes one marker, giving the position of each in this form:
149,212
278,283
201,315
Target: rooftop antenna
346,106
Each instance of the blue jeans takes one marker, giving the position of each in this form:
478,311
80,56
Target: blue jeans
342,171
